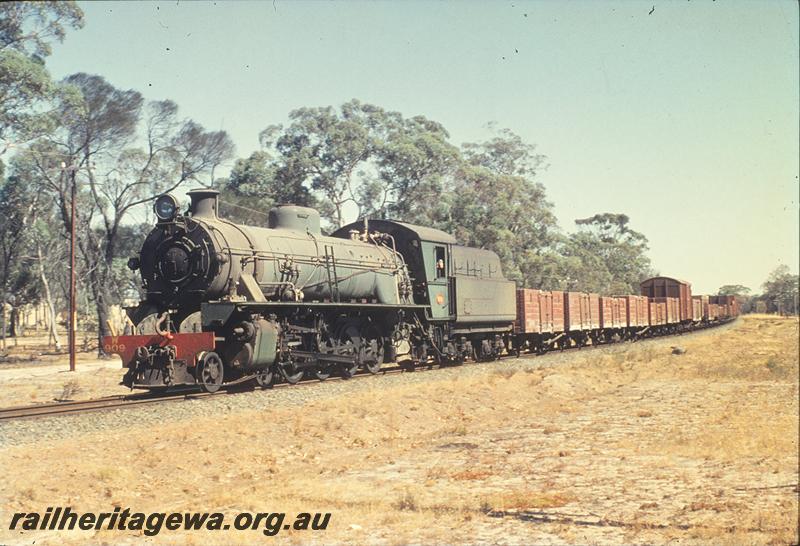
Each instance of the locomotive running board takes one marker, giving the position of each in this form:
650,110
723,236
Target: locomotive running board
215,314
320,304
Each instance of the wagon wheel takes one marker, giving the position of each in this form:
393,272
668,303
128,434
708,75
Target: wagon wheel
210,372
486,352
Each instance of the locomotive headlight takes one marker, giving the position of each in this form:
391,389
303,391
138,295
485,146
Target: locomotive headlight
166,207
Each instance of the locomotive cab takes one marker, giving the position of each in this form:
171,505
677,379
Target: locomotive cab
427,256
460,284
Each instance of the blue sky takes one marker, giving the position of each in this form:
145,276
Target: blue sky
686,118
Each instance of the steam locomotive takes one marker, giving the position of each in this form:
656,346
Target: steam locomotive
227,303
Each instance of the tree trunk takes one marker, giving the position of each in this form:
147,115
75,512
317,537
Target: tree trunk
48,298
3,326
12,327
339,221
100,295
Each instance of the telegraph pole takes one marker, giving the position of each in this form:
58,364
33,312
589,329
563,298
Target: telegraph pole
73,314
72,292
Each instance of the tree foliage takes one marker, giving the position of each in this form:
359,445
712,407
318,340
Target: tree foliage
253,187
497,203
26,30
26,112
21,203
742,294
733,290
361,158
29,27
614,256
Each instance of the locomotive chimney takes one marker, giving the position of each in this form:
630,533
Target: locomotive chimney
205,203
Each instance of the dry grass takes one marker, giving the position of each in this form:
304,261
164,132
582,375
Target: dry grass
525,499
91,380
668,446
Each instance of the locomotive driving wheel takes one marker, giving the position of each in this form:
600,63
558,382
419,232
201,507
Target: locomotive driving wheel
349,345
370,352
362,341
326,346
210,372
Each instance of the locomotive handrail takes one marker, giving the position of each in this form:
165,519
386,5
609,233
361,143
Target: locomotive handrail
314,262
330,262
395,254
246,238
273,255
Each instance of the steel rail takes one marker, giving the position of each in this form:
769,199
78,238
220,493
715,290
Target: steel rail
51,409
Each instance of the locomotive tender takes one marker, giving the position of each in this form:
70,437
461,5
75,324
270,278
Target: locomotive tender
228,303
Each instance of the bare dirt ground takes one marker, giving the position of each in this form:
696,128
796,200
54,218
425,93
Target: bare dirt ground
632,445
31,357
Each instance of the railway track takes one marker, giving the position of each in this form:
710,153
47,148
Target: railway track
80,406
54,409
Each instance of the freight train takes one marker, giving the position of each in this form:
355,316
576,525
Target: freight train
227,303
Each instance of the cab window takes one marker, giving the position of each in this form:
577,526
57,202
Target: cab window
439,261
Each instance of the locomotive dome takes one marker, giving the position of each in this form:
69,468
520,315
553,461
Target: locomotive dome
294,217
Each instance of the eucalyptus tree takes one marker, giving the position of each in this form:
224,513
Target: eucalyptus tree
621,251
361,160
742,293
497,202
781,291
18,207
123,152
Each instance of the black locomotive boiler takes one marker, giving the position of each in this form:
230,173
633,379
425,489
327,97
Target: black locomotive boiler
226,303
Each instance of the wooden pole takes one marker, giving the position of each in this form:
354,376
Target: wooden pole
72,295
